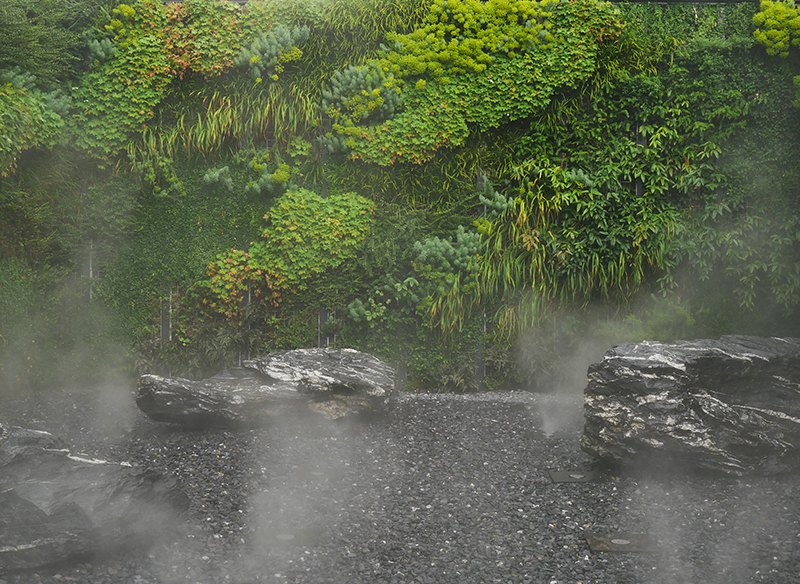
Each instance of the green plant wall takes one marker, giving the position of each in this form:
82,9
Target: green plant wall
440,176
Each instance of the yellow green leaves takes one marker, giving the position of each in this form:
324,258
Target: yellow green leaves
478,65
282,174
125,10
462,36
358,95
778,27
270,182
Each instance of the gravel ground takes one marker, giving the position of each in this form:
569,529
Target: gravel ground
444,489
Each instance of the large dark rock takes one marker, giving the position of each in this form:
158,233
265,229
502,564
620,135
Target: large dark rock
55,505
730,405
333,382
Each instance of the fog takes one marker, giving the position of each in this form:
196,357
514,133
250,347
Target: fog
709,530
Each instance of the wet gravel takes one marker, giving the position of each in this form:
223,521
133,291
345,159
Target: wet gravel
446,488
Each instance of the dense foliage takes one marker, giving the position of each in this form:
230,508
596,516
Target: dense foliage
427,180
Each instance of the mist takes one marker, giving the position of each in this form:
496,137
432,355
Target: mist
714,530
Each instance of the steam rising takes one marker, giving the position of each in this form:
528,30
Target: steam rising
301,463
555,360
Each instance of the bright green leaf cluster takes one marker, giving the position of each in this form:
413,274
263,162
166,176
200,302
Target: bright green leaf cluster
462,36
273,179
515,84
778,27
426,123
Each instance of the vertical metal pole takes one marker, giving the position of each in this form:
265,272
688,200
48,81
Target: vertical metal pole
91,271
165,303
164,321
400,377
480,362
244,352
322,317
480,366
169,321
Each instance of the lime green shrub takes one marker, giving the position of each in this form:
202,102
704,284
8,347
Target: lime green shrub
477,66
778,27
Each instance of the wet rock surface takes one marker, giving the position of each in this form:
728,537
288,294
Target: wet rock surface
730,405
55,505
444,489
335,383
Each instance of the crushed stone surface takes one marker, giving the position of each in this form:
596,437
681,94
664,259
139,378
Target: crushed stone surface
444,489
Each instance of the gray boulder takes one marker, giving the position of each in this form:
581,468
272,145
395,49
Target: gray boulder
335,383
730,405
56,505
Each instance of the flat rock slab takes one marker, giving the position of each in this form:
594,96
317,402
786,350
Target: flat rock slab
335,383
326,371
56,505
219,401
730,405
